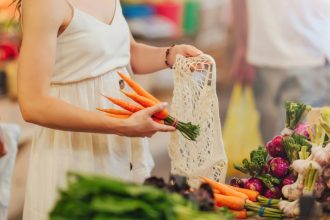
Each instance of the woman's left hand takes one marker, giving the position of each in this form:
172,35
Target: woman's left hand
184,50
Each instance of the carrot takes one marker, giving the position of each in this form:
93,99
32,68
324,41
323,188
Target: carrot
224,189
118,116
158,120
115,111
124,105
216,191
242,214
253,195
137,88
145,102
231,202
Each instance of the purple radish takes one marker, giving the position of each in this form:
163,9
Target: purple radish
279,167
254,184
275,147
275,194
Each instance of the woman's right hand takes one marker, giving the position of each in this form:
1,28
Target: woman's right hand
140,124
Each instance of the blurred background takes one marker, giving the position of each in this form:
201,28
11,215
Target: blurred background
271,51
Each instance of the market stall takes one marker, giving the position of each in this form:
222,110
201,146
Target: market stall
278,180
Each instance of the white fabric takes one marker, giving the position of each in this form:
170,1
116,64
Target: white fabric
288,33
88,54
195,100
7,163
89,48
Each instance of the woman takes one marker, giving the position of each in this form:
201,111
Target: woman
69,55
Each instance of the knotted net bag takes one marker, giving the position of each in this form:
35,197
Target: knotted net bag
195,100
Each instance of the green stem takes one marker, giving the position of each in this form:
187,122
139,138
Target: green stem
315,176
188,130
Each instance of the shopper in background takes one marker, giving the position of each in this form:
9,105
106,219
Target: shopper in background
69,55
286,43
3,150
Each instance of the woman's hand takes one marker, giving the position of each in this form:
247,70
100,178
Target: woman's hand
241,70
141,124
184,50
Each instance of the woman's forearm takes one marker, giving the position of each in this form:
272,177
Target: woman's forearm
57,114
147,59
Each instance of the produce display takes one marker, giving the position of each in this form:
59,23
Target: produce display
291,165
98,197
145,100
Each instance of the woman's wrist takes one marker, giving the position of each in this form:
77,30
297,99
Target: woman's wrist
168,54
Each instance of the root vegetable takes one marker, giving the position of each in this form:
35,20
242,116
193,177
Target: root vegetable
321,155
302,166
231,202
279,167
275,147
290,209
223,188
254,184
294,191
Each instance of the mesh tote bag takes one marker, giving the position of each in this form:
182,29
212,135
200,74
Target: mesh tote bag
195,100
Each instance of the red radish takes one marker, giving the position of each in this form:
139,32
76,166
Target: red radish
254,184
302,129
288,180
275,147
237,182
275,194
279,167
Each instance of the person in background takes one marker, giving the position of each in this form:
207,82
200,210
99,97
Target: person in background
71,51
3,150
283,49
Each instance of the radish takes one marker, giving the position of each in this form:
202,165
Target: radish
289,180
279,167
303,129
275,147
254,184
275,194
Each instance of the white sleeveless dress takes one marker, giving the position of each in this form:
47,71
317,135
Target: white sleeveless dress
88,54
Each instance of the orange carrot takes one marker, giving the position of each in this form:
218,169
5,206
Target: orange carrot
118,116
125,105
216,191
145,102
242,214
158,120
127,116
231,202
253,195
137,88
115,111
224,189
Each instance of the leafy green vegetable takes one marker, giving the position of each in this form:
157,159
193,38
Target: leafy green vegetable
293,144
102,198
269,181
295,112
254,167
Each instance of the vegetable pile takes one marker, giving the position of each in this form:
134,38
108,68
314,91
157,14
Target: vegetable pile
102,198
291,165
145,100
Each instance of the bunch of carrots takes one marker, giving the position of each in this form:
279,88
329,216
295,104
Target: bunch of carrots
146,100
243,203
